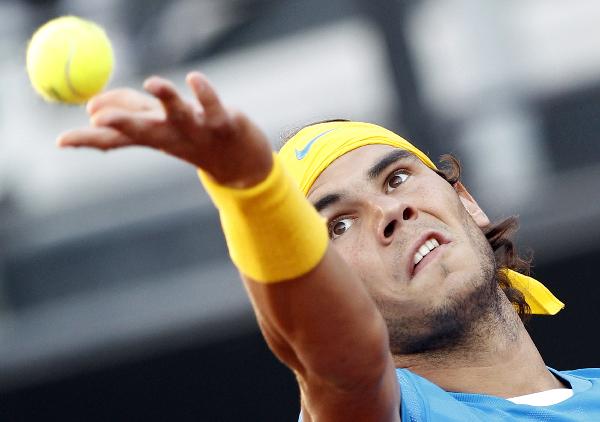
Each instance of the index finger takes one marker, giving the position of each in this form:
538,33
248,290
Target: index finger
214,112
178,111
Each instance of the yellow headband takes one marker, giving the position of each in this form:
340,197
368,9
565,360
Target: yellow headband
315,147
311,150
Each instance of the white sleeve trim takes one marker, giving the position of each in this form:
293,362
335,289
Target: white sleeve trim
544,398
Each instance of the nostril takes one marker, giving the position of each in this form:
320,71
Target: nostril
407,214
389,229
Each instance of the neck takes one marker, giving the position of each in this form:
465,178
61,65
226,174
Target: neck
497,358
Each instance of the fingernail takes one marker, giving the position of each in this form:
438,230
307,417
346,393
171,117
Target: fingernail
89,106
98,121
198,85
148,84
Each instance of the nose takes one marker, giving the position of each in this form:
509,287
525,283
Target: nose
390,213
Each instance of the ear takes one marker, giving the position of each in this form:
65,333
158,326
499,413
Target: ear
471,205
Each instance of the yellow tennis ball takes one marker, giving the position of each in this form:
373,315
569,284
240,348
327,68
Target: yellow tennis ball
69,59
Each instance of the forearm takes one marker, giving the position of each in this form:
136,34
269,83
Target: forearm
314,312
326,328
323,324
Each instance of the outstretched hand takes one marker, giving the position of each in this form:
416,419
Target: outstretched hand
220,141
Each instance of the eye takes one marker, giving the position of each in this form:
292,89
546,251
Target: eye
339,226
396,179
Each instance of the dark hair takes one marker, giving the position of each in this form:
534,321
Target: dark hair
499,234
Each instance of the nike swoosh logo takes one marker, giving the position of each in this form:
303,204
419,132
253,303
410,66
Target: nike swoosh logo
300,154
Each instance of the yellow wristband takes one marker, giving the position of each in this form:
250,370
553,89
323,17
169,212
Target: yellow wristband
273,233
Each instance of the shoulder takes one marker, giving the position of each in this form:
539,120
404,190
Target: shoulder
585,380
422,400
583,372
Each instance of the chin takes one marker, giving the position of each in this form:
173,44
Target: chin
448,324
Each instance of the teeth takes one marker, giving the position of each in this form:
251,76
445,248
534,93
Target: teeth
418,258
427,247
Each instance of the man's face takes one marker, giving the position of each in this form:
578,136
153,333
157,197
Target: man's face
414,240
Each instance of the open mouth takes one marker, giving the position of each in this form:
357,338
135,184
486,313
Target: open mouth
425,251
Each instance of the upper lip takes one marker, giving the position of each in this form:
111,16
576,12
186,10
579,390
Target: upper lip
431,234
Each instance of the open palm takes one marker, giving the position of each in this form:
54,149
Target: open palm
221,141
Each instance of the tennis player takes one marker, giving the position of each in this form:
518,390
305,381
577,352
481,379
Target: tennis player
374,275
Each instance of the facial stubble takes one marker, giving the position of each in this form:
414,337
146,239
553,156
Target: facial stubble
464,315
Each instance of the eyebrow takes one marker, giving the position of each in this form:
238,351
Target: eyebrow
373,172
326,201
387,160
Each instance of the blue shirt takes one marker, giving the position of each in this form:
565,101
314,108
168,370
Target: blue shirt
423,401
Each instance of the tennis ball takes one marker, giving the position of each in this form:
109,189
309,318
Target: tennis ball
69,59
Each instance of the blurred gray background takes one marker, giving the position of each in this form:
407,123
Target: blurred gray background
117,299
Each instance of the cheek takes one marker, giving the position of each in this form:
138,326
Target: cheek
354,255
434,199
361,257
442,202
